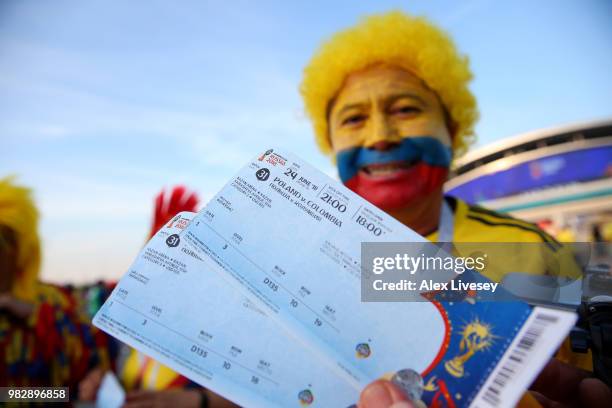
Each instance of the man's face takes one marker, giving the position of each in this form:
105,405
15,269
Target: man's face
390,137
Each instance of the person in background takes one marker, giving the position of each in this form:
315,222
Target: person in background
147,382
389,102
44,338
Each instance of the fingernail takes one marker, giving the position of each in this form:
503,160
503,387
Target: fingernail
376,396
402,404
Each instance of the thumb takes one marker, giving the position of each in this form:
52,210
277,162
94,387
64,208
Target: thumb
383,394
88,387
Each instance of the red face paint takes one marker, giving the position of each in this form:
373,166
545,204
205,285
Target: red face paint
400,188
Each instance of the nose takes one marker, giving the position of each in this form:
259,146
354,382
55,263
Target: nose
381,135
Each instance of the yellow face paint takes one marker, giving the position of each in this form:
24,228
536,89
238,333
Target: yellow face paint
390,137
384,104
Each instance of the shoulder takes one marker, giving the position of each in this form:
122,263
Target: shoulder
475,223
54,295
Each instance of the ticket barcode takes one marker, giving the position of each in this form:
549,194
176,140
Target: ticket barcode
516,358
521,362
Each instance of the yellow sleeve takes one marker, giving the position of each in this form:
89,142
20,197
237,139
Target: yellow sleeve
579,360
528,401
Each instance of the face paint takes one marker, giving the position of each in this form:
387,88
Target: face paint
391,178
390,136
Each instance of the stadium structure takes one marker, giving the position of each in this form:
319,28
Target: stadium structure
559,178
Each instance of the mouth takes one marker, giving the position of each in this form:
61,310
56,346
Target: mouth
387,169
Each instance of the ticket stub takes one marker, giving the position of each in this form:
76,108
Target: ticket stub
170,306
289,237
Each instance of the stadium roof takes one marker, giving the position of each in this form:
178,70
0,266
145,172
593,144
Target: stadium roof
532,140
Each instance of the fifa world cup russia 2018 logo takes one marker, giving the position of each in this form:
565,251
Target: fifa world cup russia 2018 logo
475,336
172,221
305,397
267,153
363,350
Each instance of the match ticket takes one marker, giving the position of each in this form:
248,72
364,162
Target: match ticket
172,307
289,238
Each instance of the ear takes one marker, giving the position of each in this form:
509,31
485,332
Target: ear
452,130
328,131
330,140
451,126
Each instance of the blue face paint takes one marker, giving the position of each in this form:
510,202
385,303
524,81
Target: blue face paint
426,149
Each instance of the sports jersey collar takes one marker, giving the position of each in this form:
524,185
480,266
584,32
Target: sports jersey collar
452,210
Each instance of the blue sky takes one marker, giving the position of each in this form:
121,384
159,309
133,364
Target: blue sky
103,103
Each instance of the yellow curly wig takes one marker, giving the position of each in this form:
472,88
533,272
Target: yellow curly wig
18,213
397,39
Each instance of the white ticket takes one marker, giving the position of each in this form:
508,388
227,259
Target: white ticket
289,238
170,306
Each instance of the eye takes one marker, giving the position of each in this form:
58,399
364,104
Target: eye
406,110
354,119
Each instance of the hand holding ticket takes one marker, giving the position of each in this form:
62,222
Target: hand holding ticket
288,238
